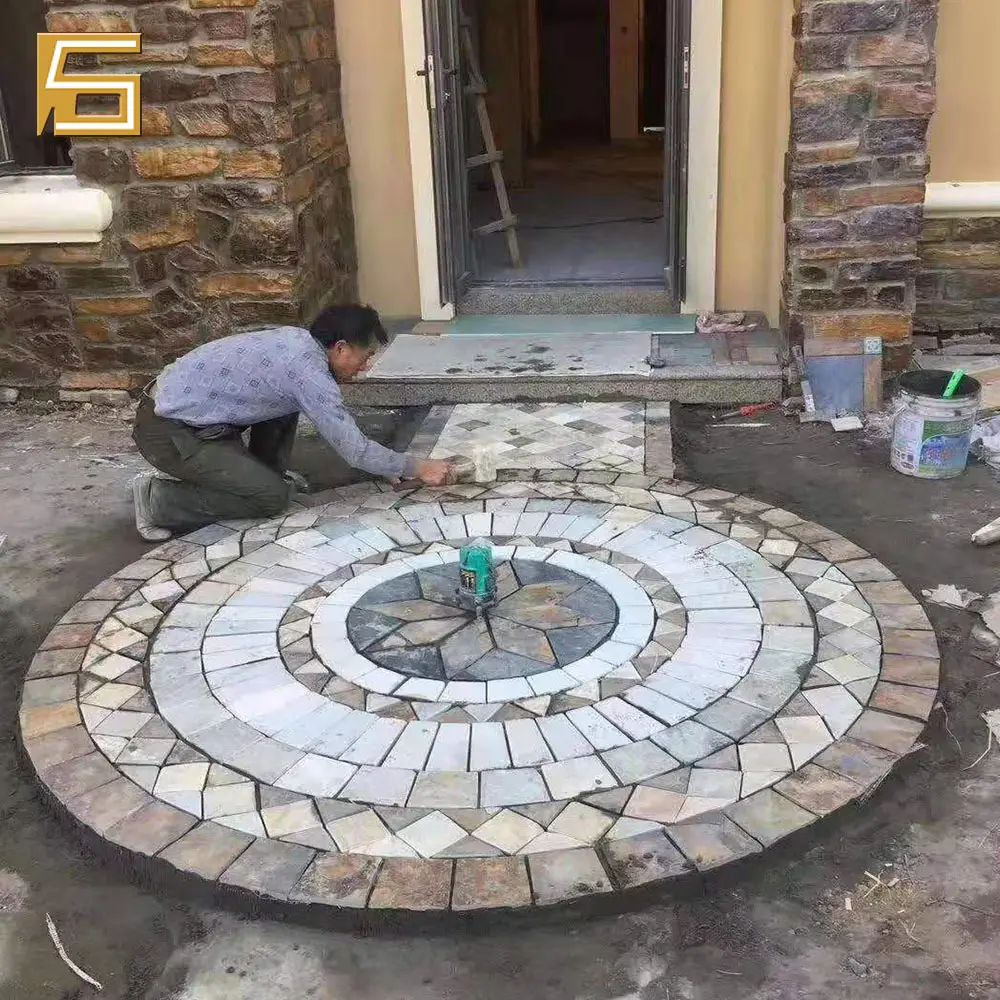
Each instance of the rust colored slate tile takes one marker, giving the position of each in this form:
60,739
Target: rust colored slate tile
889,732
914,702
818,790
49,718
88,612
905,616
207,850
337,880
713,841
887,592
491,883
48,691
112,590
412,885
910,642
62,745
54,662
103,807
918,671
864,570
69,636
152,828
838,550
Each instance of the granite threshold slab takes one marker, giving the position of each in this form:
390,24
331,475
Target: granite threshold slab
704,384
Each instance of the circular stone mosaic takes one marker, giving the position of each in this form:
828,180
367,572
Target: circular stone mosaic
672,678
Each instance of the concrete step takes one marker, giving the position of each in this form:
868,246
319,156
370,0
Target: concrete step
570,298
491,368
560,323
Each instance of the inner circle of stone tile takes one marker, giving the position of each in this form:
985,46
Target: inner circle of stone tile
628,635
544,617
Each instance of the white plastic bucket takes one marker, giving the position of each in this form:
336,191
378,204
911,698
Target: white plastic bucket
932,435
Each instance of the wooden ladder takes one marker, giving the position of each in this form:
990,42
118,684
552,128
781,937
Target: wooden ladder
493,157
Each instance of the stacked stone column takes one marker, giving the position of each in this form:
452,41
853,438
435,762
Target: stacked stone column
863,94
232,209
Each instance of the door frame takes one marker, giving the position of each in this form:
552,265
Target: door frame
703,158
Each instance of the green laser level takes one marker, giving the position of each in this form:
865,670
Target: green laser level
477,576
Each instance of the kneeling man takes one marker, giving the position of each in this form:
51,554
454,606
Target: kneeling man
192,422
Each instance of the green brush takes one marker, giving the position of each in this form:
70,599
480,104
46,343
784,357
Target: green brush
956,381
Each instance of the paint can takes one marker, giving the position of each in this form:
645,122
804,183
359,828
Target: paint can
932,435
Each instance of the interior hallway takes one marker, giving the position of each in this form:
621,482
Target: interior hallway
584,213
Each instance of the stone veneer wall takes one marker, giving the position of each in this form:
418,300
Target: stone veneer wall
863,93
233,208
958,287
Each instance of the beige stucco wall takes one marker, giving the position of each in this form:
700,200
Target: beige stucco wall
965,132
756,75
370,40
757,61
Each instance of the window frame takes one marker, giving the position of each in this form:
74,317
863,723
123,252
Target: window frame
13,143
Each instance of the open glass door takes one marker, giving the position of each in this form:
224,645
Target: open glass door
676,123
446,106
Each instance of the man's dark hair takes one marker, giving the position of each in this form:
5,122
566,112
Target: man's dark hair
357,326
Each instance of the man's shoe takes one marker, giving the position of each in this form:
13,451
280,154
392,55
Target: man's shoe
299,482
148,530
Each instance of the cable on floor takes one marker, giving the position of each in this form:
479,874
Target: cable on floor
589,225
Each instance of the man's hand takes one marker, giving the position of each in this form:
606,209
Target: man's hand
436,473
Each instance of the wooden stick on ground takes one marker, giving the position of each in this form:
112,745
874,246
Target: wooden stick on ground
54,934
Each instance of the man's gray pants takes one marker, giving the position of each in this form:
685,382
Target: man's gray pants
219,480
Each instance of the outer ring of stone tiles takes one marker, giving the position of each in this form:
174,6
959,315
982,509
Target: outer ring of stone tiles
330,622
122,813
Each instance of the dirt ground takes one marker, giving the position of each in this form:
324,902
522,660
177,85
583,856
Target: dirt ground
775,931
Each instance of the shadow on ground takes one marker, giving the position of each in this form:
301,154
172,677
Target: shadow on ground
779,930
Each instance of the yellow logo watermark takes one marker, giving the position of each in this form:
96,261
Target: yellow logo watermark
59,91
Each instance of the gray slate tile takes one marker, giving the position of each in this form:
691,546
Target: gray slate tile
732,717
79,775
768,816
269,867
713,841
558,876
650,857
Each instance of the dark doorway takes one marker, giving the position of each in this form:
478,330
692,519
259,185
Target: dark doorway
574,37
654,58
587,102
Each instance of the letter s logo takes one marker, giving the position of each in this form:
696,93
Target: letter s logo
58,91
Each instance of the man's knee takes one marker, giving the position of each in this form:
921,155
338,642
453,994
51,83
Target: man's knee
271,499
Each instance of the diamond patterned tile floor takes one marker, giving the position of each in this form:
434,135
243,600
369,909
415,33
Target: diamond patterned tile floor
571,436
674,677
